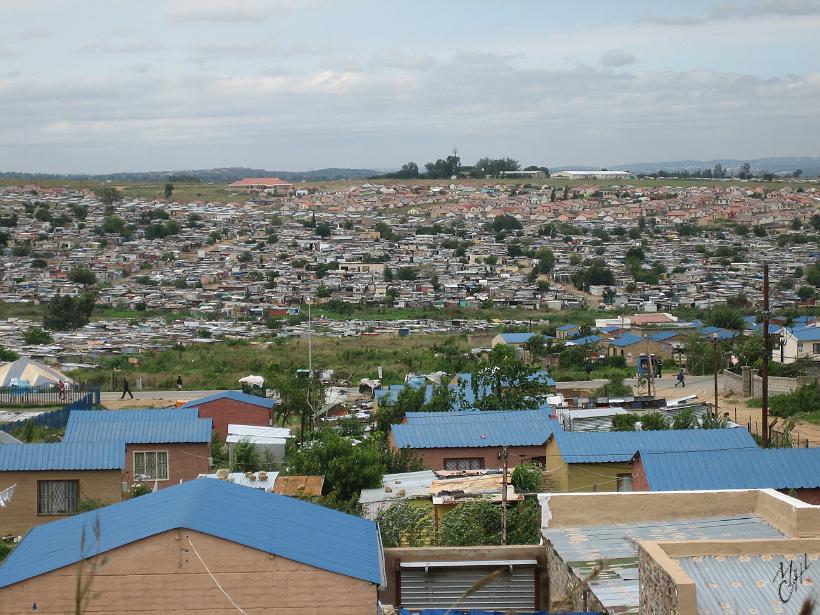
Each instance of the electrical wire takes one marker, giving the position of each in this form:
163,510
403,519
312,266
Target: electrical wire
208,570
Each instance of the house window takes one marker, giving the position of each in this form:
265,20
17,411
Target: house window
153,464
815,348
624,482
57,497
466,463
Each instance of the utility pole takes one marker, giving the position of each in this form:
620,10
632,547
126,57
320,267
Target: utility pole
648,367
503,456
715,369
764,406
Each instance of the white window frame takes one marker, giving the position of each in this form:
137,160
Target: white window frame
156,464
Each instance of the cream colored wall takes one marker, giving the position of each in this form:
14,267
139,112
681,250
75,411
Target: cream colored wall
21,514
161,574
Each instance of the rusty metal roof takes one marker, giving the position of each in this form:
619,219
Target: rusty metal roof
299,485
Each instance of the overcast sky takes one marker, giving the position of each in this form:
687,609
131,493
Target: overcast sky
134,85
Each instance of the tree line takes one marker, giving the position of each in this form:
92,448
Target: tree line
450,166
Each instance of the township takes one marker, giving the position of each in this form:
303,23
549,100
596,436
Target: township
488,487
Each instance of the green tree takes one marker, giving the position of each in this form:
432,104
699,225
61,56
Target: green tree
624,422
686,419
169,190
36,335
407,273
408,170
806,292
108,195
323,230
81,275
406,524
528,477
7,355
502,381
65,313
654,421
724,318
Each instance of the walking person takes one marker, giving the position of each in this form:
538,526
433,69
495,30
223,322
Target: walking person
126,388
61,390
681,379
659,368
179,382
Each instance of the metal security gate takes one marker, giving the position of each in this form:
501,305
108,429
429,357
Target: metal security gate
427,585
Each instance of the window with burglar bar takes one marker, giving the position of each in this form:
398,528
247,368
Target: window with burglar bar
467,463
153,464
58,497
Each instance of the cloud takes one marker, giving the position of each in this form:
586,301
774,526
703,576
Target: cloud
402,60
616,57
125,47
232,10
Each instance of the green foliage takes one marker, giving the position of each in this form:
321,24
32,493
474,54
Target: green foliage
501,381
614,388
81,275
724,317
347,468
441,169
479,523
654,421
504,222
710,420
66,313
89,504
804,399
323,230
624,422
7,355
5,549
407,273
169,190
244,457
406,524
384,230
219,455
596,274
159,230
138,489
36,335
685,419
527,477
108,195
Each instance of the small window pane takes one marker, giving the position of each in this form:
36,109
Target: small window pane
57,497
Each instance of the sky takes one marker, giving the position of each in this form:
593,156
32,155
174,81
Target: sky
97,86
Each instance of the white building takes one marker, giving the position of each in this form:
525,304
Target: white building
592,175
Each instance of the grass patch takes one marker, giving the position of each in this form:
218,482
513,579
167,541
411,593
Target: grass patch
220,365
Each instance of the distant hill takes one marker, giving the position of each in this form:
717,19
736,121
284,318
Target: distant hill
228,174
778,166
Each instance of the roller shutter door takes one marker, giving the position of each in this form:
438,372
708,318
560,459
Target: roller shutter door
441,584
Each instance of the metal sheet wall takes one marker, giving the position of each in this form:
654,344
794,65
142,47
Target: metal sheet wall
442,587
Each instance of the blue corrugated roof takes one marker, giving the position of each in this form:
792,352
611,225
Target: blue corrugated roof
627,339
589,339
516,338
615,446
568,327
234,395
661,336
283,526
722,334
806,334
758,468
138,426
62,456
474,429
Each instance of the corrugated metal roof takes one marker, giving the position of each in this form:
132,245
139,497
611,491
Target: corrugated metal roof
619,446
138,426
775,468
235,396
299,485
475,429
627,339
746,584
616,586
808,333
516,338
287,527
62,456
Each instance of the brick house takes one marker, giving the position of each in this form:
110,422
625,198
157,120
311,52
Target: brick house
163,447
472,440
160,554
51,480
233,407
794,471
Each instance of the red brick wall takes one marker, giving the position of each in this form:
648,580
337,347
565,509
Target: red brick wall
639,482
810,496
185,461
224,412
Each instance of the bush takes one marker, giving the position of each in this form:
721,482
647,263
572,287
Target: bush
406,524
802,399
654,421
685,420
36,335
5,549
615,388
479,523
527,477
624,422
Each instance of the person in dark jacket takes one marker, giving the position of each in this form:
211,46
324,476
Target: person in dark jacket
126,388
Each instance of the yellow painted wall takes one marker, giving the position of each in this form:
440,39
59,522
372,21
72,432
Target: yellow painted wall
581,477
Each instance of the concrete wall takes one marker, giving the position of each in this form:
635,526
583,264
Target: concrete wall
393,557
185,461
433,458
162,575
21,514
224,412
563,586
664,586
